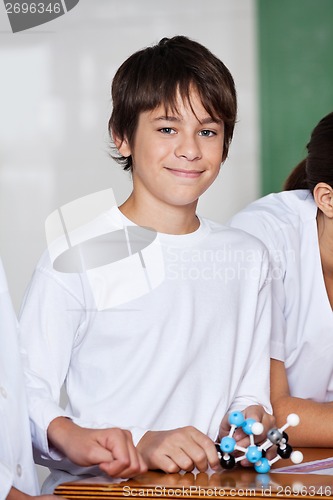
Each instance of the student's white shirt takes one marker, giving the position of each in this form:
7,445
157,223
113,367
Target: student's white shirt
186,352
286,223
16,463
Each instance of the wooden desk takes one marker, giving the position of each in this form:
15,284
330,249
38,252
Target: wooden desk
237,484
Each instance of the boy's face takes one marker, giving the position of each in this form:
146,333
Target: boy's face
176,157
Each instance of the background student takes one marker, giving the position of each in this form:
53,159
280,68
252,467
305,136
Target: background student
296,225
18,480
113,448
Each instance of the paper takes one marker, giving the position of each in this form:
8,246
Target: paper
324,466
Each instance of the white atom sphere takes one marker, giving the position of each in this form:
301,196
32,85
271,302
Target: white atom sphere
257,428
293,419
296,457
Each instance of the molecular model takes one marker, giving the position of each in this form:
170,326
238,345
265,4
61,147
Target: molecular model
255,454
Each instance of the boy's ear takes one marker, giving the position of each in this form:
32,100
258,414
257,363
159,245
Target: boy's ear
122,145
323,195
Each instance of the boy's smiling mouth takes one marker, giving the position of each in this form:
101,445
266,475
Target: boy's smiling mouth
182,172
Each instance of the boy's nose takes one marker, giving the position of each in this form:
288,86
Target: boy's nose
188,148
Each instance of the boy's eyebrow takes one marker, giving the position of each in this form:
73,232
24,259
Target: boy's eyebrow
208,120
172,118
166,118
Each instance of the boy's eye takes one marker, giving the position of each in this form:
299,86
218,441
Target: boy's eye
207,133
167,130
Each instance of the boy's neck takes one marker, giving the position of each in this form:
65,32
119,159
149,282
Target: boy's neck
163,219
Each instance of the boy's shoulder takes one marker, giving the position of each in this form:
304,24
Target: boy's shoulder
234,238
62,260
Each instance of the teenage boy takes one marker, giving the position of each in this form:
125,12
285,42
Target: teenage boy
171,359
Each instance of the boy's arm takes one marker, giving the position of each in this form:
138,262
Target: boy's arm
51,318
111,449
256,316
253,396
308,433
185,448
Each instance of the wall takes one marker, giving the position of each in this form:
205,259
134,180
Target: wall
296,81
54,101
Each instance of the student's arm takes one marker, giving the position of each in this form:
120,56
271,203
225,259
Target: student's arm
316,422
178,449
15,494
111,449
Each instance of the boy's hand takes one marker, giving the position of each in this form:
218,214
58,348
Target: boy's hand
178,449
256,412
111,449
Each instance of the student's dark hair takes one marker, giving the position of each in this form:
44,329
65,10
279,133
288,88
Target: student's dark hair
318,165
155,75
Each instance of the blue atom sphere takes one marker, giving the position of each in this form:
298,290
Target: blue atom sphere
236,418
262,466
247,425
228,444
253,454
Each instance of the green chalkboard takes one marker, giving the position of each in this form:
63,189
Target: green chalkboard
295,40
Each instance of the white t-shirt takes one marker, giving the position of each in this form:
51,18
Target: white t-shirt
182,353
16,463
286,223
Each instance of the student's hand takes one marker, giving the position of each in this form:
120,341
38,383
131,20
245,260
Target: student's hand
256,412
111,449
178,449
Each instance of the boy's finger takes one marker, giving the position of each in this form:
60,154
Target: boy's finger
136,465
183,459
208,454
